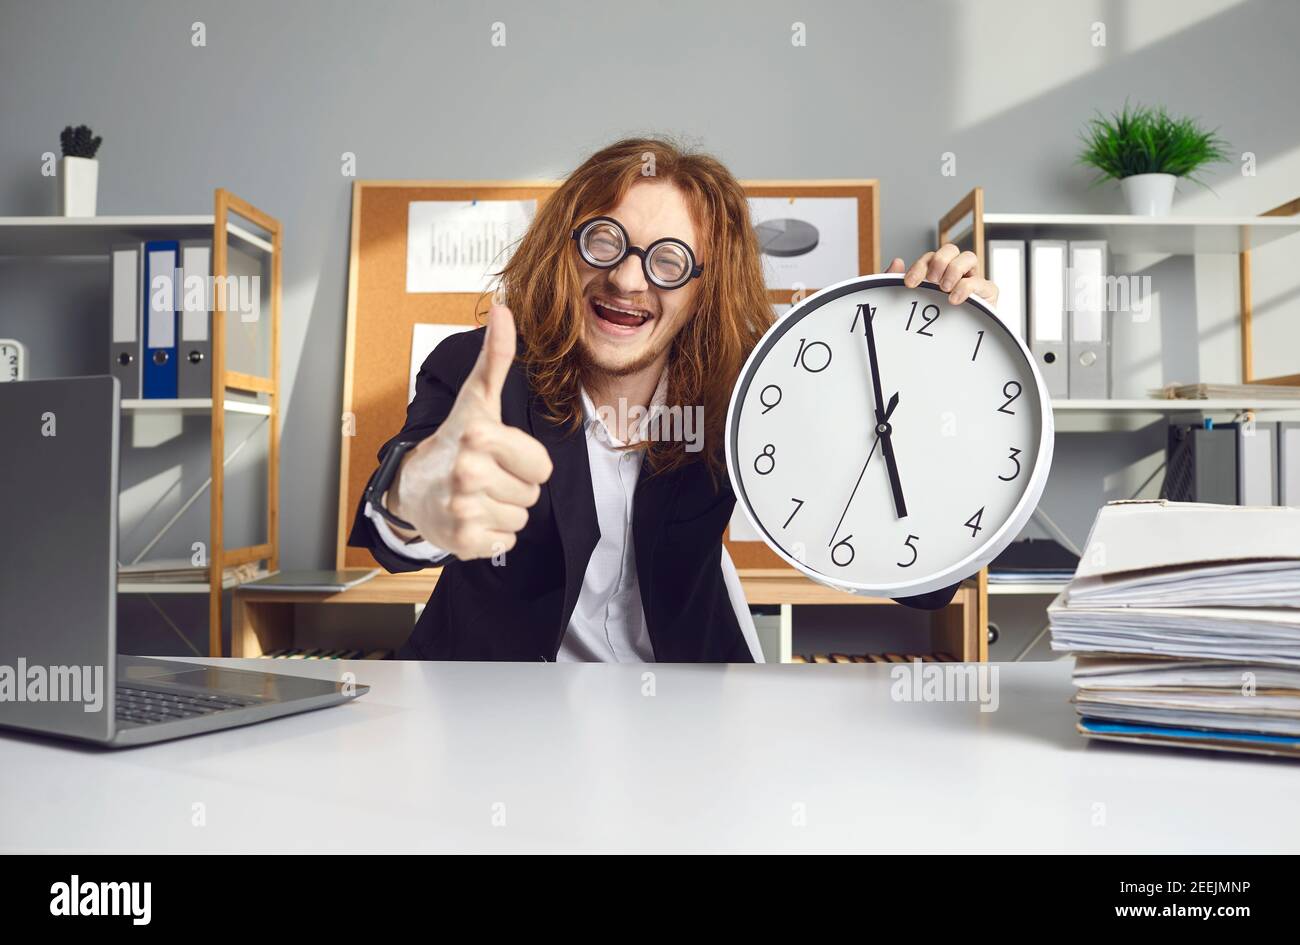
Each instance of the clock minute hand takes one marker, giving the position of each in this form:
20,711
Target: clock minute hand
884,431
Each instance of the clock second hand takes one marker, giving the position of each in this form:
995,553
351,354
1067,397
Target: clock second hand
847,504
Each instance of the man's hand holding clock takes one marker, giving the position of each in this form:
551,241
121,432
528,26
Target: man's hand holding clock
914,365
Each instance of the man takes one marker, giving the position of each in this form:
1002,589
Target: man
561,538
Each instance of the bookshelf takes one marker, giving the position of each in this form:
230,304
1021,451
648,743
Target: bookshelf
233,222
970,226
264,621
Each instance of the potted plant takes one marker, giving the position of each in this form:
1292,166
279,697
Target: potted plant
79,172
1147,150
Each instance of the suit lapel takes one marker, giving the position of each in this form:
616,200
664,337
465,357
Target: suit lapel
573,502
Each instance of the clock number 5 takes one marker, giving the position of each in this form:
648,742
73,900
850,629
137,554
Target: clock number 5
915,552
765,461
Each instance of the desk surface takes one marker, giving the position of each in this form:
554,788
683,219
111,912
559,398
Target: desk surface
577,757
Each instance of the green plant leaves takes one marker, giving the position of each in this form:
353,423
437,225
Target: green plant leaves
1142,140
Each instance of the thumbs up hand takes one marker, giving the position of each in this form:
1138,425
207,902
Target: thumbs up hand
467,489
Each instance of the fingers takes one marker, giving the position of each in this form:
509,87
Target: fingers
517,453
478,473
488,376
916,272
896,266
954,271
973,285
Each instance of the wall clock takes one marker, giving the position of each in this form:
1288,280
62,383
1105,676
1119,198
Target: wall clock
13,360
886,442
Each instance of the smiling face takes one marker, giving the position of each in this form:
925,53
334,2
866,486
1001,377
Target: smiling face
628,322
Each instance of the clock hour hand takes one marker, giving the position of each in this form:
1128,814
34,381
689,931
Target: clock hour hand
891,464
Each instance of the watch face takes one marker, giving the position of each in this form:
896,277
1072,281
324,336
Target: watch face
899,480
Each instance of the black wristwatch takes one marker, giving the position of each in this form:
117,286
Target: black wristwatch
382,479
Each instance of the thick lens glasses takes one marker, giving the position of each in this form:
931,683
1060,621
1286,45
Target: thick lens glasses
668,262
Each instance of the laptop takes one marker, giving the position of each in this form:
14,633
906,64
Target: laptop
60,673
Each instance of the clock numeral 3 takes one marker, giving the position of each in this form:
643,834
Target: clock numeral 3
1014,453
846,554
925,317
915,551
813,360
798,504
764,397
768,454
973,523
1010,390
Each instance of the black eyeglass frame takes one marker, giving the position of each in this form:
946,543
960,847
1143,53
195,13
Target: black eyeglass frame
696,270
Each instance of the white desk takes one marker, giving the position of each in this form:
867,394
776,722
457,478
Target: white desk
718,759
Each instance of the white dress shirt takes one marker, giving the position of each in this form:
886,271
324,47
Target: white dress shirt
608,621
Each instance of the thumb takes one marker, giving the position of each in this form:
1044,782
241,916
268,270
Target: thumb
896,266
494,359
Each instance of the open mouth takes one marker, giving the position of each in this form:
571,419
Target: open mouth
618,315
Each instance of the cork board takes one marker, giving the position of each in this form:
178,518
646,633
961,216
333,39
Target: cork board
381,315
755,554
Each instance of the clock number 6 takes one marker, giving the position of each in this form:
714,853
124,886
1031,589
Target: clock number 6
836,555
768,454
915,552
1010,390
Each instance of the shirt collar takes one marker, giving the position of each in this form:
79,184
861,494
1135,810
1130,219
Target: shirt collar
600,426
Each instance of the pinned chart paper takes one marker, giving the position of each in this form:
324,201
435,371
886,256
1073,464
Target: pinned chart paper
807,242
456,245
425,337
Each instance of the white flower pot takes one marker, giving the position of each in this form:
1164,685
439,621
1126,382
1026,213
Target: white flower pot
1149,195
78,183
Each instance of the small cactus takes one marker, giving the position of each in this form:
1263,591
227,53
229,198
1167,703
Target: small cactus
78,142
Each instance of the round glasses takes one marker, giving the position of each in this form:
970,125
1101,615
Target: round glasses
668,262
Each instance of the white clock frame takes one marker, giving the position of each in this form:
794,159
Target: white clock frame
989,549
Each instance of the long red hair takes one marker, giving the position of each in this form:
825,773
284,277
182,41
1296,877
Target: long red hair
542,286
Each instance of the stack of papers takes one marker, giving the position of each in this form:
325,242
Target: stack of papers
1185,620
1225,392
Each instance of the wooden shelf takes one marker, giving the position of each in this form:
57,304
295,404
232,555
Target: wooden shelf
262,621
95,236
180,587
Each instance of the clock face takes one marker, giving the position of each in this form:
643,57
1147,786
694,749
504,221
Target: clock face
899,480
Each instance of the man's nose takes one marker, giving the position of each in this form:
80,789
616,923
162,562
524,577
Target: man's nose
629,276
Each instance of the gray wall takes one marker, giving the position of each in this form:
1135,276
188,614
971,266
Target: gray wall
416,90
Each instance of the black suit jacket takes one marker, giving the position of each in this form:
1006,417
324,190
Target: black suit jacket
519,611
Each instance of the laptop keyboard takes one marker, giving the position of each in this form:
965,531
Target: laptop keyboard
149,706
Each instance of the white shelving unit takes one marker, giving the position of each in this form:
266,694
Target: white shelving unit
1127,234
195,405
234,393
